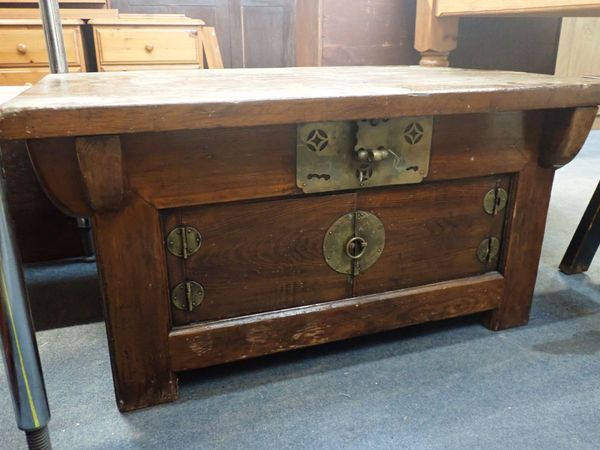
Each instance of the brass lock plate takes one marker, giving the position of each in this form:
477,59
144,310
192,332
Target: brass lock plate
354,242
333,156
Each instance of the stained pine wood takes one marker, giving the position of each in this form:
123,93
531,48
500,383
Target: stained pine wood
432,233
530,196
131,259
100,164
222,159
29,208
50,157
566,132
248,337
259,257
96,103
212,172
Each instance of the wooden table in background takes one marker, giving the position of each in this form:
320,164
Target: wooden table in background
437,25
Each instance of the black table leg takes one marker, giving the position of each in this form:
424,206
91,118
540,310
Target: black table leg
586,239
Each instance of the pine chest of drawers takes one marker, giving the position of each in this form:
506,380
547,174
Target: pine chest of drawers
244,212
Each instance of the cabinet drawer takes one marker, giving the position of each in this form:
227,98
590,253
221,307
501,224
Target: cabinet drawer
25,46
156,45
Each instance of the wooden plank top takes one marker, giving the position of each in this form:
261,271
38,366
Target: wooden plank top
80,104
516,8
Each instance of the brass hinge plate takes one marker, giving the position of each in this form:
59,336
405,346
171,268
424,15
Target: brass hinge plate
354,242
333,156
184,241
495,201
488,250
187,296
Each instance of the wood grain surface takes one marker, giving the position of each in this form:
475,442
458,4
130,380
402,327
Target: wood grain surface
126,102
259,257
260,334
133,276
204,166
528,206
431,233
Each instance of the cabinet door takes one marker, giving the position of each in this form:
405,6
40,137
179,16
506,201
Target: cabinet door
262,33
432,233
260,256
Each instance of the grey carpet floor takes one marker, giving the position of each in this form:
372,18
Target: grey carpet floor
448,385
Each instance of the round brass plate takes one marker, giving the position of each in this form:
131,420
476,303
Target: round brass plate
495,201
187,296
361,229
488,249
184,241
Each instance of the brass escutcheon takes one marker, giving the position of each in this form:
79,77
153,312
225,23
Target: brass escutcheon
354,244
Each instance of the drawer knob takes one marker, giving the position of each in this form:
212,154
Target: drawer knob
22,48
149,48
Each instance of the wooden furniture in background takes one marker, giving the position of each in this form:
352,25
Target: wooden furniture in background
579,54
579,49
124,150
212,52
338,32
23,56
122,42
437,23
376,32
132,42
251,33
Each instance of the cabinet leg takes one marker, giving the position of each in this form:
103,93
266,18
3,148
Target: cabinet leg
132,263
531,196
586,239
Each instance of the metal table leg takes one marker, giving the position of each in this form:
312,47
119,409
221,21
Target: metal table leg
21,357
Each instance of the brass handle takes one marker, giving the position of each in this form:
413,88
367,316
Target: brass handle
22,48
356,247
373,155
149,47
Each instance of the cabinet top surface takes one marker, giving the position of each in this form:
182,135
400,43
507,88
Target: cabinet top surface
79,104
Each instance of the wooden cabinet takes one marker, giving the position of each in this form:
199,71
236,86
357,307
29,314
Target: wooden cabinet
128,44
23,54
256,211
251,33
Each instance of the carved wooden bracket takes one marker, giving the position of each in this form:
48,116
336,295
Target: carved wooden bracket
565,131
101,167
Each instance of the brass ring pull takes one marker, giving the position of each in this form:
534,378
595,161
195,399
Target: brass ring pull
356,247
21,48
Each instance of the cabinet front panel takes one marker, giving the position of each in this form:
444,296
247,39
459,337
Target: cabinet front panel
275,254
433,233
257,257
